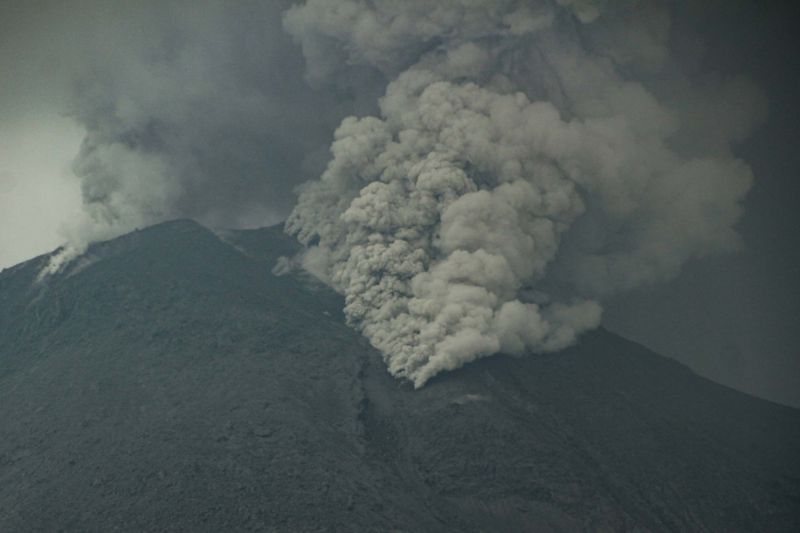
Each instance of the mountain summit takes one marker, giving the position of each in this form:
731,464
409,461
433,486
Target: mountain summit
168,381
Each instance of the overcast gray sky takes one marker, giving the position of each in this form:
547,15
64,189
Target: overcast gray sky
93,66
736,318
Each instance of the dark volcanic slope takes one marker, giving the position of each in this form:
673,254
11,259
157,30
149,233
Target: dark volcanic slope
171,382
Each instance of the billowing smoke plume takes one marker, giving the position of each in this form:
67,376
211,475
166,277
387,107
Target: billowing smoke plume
191,109
529,158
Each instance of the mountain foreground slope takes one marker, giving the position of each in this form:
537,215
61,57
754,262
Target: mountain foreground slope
168,381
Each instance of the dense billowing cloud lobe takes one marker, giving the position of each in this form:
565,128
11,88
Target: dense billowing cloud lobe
528,159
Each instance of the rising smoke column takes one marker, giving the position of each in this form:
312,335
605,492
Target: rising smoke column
190,109
529,158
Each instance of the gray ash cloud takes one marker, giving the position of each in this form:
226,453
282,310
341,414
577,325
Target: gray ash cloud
507,165
528,159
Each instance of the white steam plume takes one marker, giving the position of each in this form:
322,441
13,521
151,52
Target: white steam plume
529,158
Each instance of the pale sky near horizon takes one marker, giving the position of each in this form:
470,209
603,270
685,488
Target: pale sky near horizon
37,141
38,190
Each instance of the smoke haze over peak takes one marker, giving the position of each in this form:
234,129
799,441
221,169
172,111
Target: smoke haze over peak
188,110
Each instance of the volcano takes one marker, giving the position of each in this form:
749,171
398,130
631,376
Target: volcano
169,381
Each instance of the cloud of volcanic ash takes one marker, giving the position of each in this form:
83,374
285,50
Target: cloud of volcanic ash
528,158
190,109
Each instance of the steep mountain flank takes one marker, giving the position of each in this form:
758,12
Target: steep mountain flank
168,381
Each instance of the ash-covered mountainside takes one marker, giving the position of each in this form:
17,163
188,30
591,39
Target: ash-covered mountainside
168,381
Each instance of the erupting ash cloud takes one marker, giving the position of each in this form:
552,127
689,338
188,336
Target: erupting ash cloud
529,158
190,109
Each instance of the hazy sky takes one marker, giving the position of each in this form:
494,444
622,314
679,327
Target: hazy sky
37,142
736,317
200,84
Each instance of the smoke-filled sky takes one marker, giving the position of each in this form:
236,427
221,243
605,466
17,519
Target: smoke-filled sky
510,169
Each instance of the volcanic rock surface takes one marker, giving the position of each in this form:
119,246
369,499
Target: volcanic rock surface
168,381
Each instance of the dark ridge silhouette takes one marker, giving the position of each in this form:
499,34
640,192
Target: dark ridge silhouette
168,381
